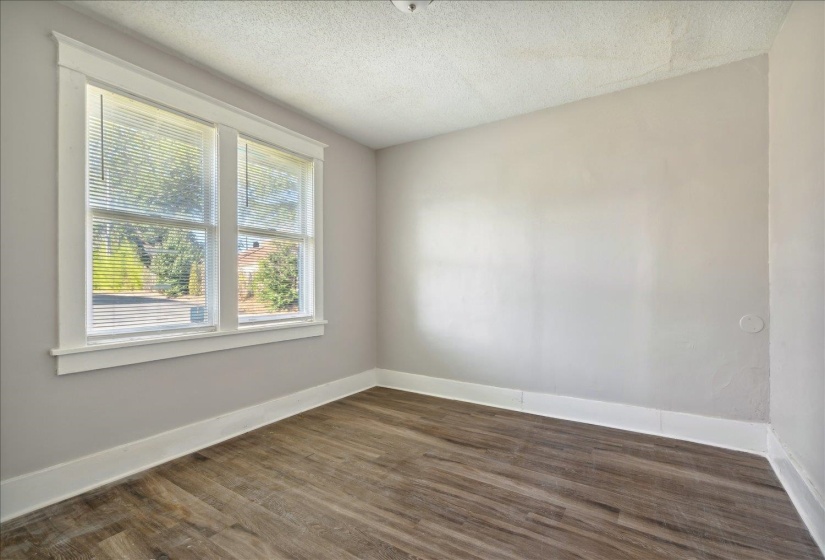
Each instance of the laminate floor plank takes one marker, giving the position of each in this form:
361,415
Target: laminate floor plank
385,474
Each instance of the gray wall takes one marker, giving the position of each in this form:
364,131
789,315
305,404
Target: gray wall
47,419
604,249
797,237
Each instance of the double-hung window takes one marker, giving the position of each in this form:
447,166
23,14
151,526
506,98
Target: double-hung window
275,234
186,225
152,191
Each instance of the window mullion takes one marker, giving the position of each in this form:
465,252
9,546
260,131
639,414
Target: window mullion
226,271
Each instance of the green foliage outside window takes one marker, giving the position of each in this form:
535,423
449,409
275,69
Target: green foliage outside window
173,266
117,270
276,281
196,279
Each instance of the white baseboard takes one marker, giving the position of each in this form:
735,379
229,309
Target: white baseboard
809,503
719,432
28,492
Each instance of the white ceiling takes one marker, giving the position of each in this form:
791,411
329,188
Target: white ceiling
383,77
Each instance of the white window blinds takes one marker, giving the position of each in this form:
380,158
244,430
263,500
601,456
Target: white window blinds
152,190
275,234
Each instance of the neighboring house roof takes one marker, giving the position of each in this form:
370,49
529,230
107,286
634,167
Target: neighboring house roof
248,259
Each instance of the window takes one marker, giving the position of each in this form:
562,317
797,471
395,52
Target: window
186,225
275,234
151,187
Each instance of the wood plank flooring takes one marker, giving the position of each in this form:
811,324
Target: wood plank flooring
386,474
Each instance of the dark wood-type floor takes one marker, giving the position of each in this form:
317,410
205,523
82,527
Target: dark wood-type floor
385,474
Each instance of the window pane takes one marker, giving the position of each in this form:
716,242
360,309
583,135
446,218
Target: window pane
269,278
147,277
275,237
272,189
147,160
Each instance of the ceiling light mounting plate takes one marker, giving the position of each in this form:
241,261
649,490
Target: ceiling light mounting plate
411,6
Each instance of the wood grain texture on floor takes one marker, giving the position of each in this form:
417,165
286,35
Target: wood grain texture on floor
386,474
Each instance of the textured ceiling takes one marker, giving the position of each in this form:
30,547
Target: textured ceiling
383,77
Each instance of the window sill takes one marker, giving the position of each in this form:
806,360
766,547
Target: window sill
112,354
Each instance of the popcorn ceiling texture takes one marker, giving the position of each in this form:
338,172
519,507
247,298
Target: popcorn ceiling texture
383,77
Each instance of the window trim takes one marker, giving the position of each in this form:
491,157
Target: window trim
78,64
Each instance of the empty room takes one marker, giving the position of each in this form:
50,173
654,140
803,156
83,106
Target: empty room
409,279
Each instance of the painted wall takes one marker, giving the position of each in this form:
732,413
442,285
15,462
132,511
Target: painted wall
797,237
605,249
47,419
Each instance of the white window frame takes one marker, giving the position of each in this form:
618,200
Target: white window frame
78,64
